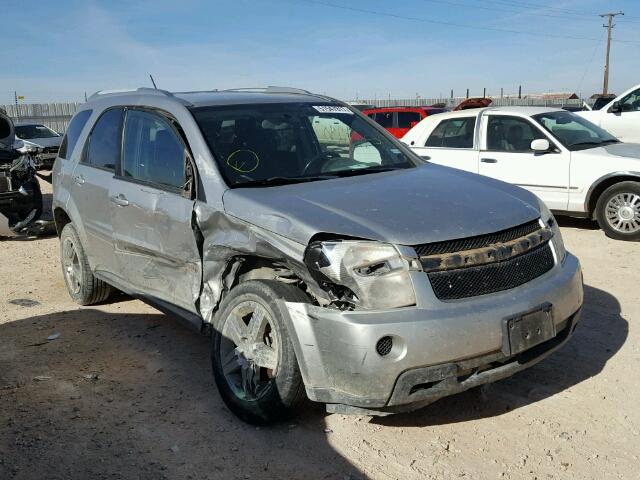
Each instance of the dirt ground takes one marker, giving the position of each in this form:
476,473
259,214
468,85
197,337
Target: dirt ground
127,392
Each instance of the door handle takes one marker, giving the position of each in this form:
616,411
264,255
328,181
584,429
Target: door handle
79,179
489,160
119,200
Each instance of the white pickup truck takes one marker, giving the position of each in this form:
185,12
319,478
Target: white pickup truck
574,166
620,117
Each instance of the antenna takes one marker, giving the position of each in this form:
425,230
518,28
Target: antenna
154,83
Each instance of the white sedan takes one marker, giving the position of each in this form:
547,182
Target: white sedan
574,166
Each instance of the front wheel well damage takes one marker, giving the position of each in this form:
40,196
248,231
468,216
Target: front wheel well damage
243,268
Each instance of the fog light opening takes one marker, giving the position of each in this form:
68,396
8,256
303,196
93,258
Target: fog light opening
384,346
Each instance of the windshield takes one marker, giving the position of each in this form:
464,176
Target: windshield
269,144
29,132
573,131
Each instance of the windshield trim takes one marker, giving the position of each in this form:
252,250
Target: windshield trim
413,160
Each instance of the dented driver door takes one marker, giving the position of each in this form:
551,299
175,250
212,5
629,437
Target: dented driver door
151,213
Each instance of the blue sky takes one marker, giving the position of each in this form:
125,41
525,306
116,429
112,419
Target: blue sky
55,51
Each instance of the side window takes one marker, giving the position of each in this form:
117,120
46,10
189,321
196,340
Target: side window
453,133
631,103
104,142
510,134
406,119
74,129
152,150
384,119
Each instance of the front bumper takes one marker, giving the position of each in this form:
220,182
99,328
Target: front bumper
440,347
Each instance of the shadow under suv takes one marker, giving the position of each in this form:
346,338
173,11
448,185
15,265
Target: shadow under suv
356,274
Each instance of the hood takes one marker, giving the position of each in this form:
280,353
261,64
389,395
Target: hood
44,142
626,150
412,206
630,150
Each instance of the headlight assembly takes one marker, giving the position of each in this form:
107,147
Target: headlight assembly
376,273
550,221
26,148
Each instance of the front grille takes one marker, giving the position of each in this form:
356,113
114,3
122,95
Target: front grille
494,277
480,241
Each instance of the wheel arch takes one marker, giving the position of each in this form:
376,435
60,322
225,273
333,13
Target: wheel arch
61,218
601,184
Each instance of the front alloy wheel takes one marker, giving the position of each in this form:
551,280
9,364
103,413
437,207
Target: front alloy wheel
253,359
249,350
618,211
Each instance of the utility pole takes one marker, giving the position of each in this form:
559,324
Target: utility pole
609,27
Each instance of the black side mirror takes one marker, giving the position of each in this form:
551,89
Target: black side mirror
615,108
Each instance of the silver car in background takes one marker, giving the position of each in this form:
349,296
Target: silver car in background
342,268
40,142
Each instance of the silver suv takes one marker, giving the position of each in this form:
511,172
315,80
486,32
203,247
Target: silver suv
324,257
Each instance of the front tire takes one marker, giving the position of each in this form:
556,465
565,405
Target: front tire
83,287
254,363
618,211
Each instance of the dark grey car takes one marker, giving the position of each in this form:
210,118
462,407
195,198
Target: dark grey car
323,255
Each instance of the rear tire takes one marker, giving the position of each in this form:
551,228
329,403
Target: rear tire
253,360
83,287
618,211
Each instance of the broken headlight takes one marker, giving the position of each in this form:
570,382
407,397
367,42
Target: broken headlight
375,274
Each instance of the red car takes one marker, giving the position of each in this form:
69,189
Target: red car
399,120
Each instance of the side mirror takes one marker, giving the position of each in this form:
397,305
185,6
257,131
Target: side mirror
615,108
413,124
540,145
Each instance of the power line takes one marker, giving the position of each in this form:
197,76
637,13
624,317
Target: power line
588,67
502,10
529,5
451,24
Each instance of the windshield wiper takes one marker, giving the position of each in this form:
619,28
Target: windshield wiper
273,181
372,169
604,142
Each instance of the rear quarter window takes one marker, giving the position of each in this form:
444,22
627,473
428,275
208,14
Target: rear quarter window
103,149
74,129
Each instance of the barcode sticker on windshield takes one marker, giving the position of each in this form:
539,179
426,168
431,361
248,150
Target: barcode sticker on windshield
332,109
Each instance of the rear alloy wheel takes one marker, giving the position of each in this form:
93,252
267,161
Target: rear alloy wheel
83,287
253,360
618,211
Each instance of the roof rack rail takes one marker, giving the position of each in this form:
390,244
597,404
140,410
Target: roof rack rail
271,89
122,91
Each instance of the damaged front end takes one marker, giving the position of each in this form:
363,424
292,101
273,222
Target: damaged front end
20,195
363,274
